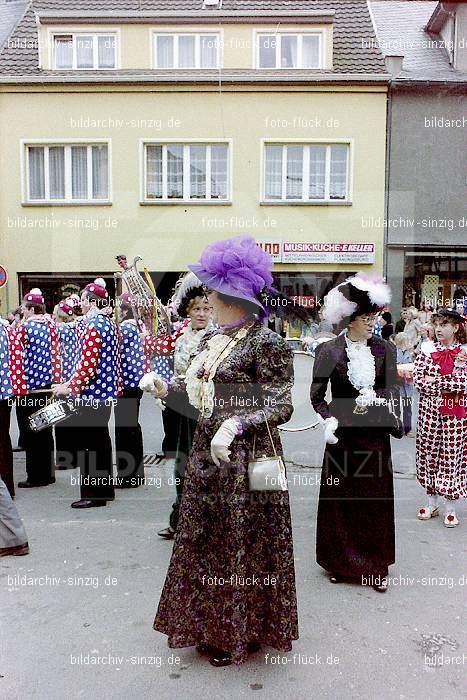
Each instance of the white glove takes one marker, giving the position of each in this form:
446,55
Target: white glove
330,426
222,441
154,384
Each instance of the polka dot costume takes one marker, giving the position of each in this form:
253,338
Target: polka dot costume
132,357
162,349
35,359
441,443
70,349
97,375
6,388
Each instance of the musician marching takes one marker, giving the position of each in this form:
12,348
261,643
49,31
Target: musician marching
36,366
133,364
69,343
95,385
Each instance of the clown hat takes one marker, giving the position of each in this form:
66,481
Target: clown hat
35,296
67,306
97,287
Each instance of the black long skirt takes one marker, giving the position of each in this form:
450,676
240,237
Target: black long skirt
355,529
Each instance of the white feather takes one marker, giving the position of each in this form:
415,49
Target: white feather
36,290
100,282
337,307
190,281
376,288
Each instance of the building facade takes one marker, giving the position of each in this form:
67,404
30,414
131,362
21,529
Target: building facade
426,219
155,131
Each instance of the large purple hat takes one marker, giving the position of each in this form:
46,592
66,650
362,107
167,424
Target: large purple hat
237,267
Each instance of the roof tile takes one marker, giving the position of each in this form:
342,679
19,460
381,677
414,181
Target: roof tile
352,27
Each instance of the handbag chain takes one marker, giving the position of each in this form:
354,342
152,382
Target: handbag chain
270,437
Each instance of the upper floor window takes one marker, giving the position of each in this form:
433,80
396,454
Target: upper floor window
195,171
316,172
186,50
84,51
289,50
71,173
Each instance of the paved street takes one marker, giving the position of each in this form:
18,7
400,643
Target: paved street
77,612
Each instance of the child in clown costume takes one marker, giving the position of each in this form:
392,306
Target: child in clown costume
440,374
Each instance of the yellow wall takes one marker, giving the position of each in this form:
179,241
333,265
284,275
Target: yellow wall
169,237
135,40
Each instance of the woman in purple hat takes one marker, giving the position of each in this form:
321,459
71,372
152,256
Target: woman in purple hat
230,586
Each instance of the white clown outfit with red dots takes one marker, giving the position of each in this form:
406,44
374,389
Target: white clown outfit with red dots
441,444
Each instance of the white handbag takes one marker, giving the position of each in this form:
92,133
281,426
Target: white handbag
267,473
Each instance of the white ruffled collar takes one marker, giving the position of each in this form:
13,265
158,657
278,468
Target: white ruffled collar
361,369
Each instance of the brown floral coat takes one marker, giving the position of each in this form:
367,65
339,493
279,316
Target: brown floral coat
231,578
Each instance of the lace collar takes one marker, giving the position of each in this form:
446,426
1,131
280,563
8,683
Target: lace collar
361,369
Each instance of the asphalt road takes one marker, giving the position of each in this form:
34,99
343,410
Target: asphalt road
76,614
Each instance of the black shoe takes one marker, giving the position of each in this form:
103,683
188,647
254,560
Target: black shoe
335,578
220,658
85,503
382,586
167,534
28,485
19,551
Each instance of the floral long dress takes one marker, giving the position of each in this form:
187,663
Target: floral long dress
441,442
231,578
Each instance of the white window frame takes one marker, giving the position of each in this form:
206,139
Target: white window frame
185,200
257,33
197,34
66,143
67,32
306,172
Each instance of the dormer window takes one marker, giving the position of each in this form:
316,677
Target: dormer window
186,50
289,50
84,51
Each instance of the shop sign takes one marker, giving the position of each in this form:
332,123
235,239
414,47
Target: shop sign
273,247
328,253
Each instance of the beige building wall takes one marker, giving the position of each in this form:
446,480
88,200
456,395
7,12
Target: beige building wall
168,237
135,41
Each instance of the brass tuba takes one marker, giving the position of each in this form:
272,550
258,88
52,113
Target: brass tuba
145,304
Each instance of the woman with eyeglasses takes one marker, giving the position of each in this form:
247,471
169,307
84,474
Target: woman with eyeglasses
355,529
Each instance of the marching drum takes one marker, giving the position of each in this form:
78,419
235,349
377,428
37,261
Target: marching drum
51,414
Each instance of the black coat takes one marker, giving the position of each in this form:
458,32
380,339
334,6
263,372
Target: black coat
355,529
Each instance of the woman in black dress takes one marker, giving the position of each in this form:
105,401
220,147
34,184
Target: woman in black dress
355,529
